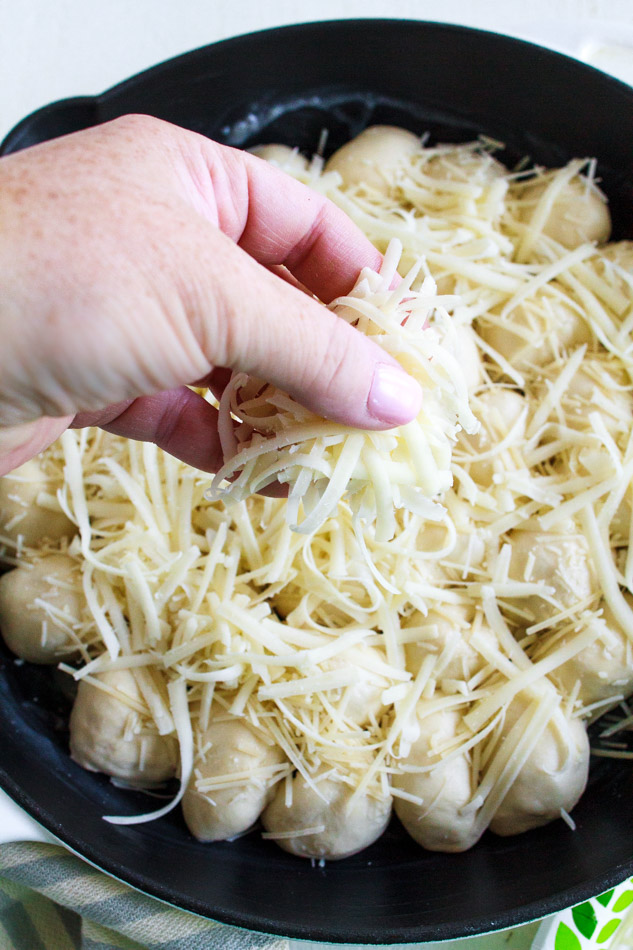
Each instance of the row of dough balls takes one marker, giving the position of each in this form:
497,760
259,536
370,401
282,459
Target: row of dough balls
324,819
109,733
595,673
598,671
579,213
375,158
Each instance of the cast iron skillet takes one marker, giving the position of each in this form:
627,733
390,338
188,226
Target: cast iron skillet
286,85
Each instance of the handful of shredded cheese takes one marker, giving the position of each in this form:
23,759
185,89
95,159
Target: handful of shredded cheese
323,462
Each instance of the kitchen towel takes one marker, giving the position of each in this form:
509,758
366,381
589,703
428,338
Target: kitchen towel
602,923
52,900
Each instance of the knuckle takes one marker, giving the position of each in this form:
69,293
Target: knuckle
169,421
332,369
136,121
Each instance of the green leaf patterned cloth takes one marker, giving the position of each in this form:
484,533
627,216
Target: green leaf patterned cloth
603,923
52,900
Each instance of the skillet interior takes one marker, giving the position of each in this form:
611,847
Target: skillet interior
286,85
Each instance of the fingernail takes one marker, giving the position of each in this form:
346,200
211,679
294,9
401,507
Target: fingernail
394,397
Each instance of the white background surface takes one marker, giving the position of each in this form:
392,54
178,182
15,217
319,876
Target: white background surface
50,49
55,48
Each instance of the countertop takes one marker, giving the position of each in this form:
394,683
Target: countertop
81,47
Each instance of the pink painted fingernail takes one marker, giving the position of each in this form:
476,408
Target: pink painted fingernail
394,397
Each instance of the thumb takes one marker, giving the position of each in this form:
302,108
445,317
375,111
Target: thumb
270,329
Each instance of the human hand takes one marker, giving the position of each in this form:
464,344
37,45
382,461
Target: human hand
136,258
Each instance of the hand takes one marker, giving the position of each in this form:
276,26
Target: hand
137,257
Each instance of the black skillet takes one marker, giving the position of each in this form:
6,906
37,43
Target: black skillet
286,85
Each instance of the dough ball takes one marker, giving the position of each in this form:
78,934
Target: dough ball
579,211
586,393
467,552
614,263
296,597
109,734
620,253
221,813
471,165
342,827
553,778
604,669
374,157
535,332
362,700
443,822
559,560
288,159
457,181
597,386
499,411
446,633
29,630
20,513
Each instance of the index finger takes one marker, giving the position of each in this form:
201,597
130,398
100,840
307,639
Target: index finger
288,223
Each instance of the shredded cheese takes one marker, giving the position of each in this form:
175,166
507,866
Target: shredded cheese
322,463
302,617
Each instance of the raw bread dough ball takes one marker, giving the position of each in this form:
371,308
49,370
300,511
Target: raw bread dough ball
290,597
346,827
435,192
578,214
464,164
498,410
620,253
29,630
467,552
446,633
597,386
583,396
222,813
18,500
604,669
374,157
362,700
457,163
530,336
288,159
108,735
443,822
456,182
553,777
559,560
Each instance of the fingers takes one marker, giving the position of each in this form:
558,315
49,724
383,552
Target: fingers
267,328
138,259
179,421
288,223
282,335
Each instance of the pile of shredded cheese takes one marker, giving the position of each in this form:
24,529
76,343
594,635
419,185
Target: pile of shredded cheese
288,615
323,462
